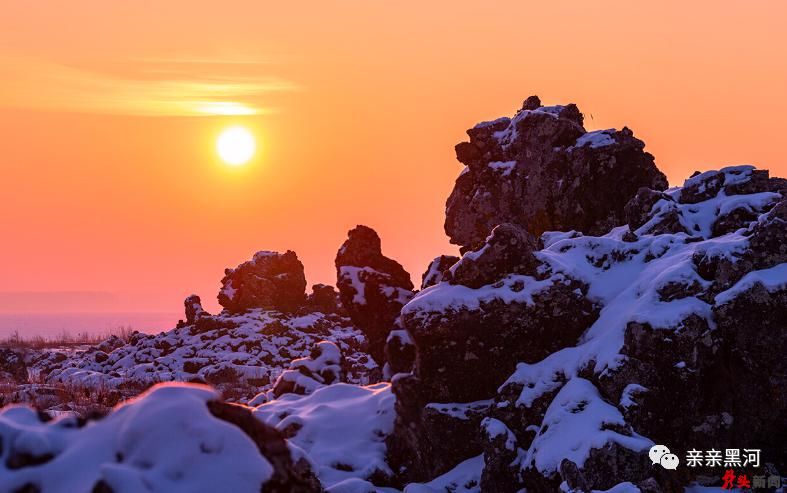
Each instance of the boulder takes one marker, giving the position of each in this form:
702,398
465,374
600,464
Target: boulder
270,280
508,250
323,298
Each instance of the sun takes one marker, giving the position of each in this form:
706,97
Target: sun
235,146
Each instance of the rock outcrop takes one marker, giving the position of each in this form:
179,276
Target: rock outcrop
684,305
372,287
543,171
270,280
193,309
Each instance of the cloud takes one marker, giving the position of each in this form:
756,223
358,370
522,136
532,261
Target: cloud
141,87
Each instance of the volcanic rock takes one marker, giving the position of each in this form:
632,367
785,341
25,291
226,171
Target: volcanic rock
270,280
542,170
372,287
438,270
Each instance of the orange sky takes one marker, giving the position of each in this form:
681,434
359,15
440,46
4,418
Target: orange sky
111,184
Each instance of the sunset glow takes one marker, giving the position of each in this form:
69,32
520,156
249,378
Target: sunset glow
235,146
114,108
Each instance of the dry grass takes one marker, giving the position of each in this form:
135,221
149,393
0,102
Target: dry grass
64,339
81,400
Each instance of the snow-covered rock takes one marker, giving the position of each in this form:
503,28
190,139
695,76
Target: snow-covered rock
174,438
270,280
322,367
342,428
543,171
437,270
372,287
243,354
692,314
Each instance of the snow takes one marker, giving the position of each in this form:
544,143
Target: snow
165,440
509,134
339,427
258,344
628,288
492,122
772,279
503,167
732,175
574,424
353,273
597,138
626,398
495,428
699,218
444,296
464,478
460,410
626,487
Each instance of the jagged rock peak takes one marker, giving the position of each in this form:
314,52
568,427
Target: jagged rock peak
270,280
194,310
542,170
372,287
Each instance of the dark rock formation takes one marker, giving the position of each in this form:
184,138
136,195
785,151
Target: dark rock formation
399,353
438,270
289,475
270,280
193,306
12,366
323,298
469,339
687,307
543,171
508,250
372,287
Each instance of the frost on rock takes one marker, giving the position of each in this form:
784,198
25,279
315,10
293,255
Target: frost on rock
173,438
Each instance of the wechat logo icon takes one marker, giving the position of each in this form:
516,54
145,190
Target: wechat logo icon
660,454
